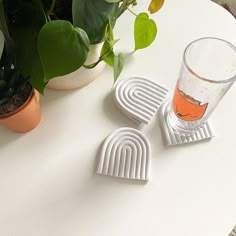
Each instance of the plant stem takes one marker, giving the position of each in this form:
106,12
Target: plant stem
124,6
47,17
52,7
132,11
93,65
101,58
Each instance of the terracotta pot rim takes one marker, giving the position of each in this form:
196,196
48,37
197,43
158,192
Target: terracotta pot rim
11,113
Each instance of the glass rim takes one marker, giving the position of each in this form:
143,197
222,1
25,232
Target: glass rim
200,77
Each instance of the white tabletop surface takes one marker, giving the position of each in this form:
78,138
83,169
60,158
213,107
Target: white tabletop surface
48,184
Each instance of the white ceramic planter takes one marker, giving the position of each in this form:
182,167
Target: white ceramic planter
82,76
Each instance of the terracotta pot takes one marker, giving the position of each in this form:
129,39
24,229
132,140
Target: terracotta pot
82,76
26,117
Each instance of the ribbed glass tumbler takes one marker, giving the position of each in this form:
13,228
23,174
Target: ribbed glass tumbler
208,71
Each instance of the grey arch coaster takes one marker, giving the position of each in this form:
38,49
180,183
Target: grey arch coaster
173,138
139,98
126,154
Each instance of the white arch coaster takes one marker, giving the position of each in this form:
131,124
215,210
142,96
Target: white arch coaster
139,98
173,138
126,154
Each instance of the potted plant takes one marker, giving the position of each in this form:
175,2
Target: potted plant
45,39
19,101
61,35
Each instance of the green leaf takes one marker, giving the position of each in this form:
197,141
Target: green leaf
93,16
1,73
109,34
8,51
9,92
118,65
3,23
3,85
37,74
145,31
62,48
3,100
13,78
107,53
24,33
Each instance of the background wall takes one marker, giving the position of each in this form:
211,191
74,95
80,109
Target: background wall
230,5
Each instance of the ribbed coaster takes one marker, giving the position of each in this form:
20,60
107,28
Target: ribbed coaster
173,138
126,154
139,98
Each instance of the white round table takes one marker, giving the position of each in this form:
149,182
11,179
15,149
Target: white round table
48,184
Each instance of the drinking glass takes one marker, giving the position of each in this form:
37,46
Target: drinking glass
208,71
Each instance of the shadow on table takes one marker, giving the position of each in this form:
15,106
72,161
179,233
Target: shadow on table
52,95
114,114
7,136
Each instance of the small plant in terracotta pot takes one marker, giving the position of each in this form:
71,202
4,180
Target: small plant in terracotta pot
19,101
